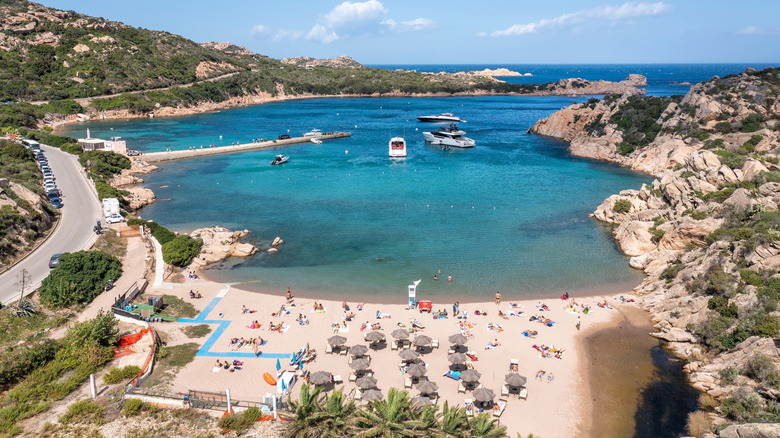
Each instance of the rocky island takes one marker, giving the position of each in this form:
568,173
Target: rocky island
705,230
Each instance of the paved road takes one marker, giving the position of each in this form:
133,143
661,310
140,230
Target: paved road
74,232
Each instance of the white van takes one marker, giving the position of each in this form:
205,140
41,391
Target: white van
31,144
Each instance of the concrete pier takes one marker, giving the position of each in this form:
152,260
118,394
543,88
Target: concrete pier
158,157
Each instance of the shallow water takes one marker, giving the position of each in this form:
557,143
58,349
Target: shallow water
509,215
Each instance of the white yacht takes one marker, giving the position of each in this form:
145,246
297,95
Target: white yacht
397,147
449,137
312,133
441,118
315,140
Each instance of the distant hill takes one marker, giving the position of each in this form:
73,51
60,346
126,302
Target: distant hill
305,61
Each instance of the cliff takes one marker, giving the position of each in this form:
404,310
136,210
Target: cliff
705,230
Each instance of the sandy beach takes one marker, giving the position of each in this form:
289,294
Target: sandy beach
558,402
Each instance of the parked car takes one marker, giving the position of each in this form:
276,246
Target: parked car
55,260
56,202
284,137
49,186
115,219
132,153
56,192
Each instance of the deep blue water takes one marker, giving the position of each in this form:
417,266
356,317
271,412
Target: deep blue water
509,215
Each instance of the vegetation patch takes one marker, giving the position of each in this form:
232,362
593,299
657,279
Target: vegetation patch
118,375
84,411
196,331
78,278
178,308
169,361
622,206
181,250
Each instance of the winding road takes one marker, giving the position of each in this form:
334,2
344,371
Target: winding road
73,232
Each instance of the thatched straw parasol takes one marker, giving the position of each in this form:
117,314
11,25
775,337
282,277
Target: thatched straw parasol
513,379
337,340
320,378
458,339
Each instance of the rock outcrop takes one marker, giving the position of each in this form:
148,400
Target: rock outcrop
306,62
220,243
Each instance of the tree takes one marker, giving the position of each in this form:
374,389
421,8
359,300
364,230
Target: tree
79,278
181,250
304,422
390,418
483,426
454,421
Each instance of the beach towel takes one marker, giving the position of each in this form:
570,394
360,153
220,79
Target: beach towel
216,369
454,375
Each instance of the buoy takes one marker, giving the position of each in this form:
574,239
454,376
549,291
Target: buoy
346,152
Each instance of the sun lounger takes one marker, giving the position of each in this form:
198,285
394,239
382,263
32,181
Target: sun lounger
328,349
501,406
352,377
407,383
468,405
394,345
434,399
358,394
343,351
435,343
450,351
504,390
461,388
337,379
523,394
454,375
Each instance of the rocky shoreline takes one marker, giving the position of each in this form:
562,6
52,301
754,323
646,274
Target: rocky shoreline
705,285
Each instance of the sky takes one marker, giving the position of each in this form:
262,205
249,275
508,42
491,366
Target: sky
468,32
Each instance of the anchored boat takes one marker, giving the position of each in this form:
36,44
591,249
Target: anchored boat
397,147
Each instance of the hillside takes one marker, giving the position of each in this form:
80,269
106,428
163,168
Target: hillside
705,232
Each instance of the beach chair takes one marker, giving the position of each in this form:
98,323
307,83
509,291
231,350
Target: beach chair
405,345
504,391
451,350
394,345
523,394
352,377
461,388
501,406
337,380
468,405
407,383
435,343
343,351
434,399
329,349
358,394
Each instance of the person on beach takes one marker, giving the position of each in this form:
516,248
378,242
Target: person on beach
550,378
498,297
449,278
244,309
578,323
288,295
455,309
540,374
256,349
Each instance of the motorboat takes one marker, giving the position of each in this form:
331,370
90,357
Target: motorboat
313,133
315,140
449,137
279,159
441,118
397,147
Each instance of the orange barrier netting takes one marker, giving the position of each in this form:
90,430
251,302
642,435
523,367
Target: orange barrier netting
126,341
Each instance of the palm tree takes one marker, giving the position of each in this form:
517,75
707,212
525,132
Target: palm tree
483,426
338,415
453,421
306,414
388,418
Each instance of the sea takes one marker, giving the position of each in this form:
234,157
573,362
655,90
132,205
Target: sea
509,215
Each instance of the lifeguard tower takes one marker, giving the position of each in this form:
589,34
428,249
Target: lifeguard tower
413,293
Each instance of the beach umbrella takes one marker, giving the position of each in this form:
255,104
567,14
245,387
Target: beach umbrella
359,364
366,382
372,394
422,341
458,339
457,358
483,394
358,350
408,355
421,401
416,370
278,365
374,336
470,376
513,379
427,387
337,340
400,333
320,378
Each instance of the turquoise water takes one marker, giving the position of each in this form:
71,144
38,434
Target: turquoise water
509,215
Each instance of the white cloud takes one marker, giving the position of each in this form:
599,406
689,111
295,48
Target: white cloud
611,13
260,29
322,33
349,13
481,34
291,35
416,24
755,30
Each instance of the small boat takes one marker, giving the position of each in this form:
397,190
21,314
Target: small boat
269,379
312,133
315,140
441,118
449,137
397,147
296,357
279,159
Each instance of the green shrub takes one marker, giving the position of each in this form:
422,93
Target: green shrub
240,423
181,250
625,149
723,127
750,277
729,375
671,271
759,367
17,362
768,327
622,206
133,406
695,214
719,196
722,306
84,411
78,278
117,375
103,164
751,123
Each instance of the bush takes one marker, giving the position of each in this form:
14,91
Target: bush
133,407
18,362
759,367
240,423
768,327
78,278
84,411
117,375
103,164
622,206
671,271
751,123
750,277
722,306
100,331
625,149
699,424
181,250
729,375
